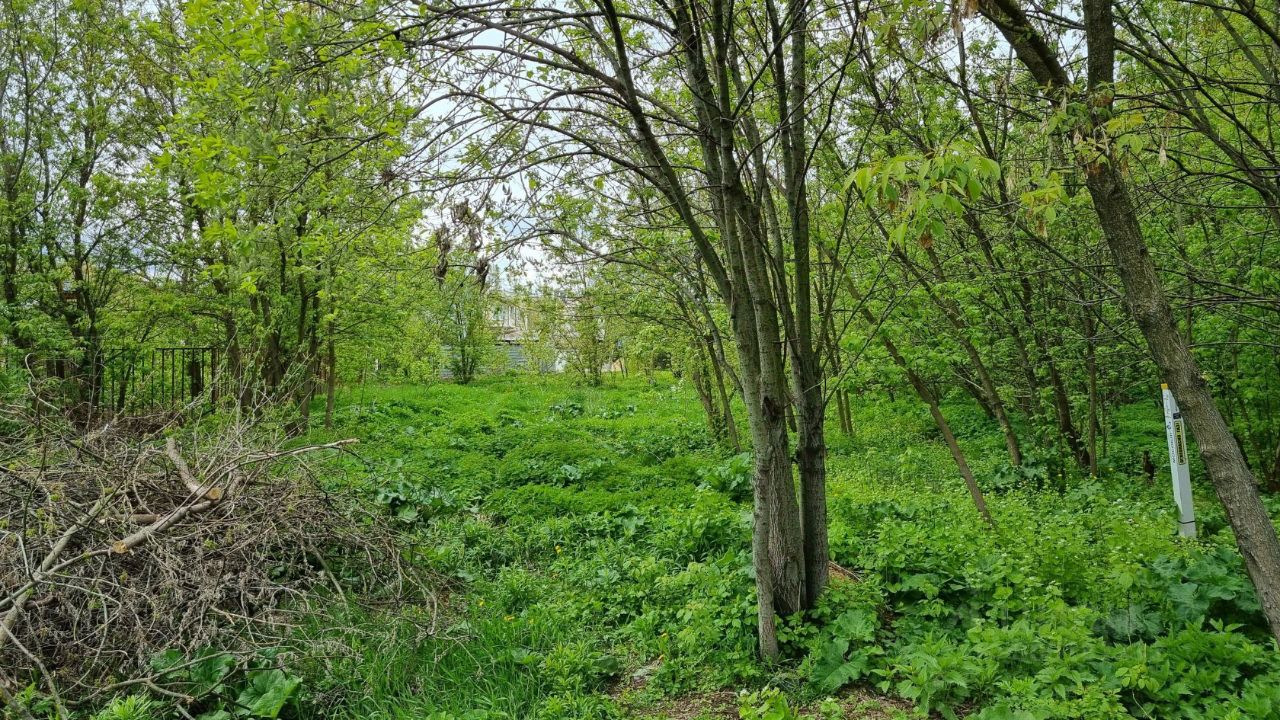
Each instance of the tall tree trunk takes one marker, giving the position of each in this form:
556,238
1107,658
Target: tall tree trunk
806,367
986,382
742,278
331,378
1147,302
1091,368
780,528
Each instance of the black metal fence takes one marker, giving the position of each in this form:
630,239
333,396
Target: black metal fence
163,377
132,380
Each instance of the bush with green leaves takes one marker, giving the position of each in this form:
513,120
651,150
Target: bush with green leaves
1079,604
731,477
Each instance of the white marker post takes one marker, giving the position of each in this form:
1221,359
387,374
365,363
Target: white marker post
1176,432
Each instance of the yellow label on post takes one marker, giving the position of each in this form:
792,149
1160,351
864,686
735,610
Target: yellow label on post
1180,439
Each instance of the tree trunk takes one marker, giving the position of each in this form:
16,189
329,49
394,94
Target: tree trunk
1145,296
331,380
1091,368
806,366
726,404
1062,406
922,390
703,389
986,382
779,535
929,399
811,457
743,281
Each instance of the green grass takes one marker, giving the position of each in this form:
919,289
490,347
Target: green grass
594,540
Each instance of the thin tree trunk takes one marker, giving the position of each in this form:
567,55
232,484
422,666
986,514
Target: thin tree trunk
922,389
986,382
726,404
703,389
929,399
811,402
1091,368
1062,407
331,379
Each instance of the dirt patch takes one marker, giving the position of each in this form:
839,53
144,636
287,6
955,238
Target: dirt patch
854,704
862,704
696,706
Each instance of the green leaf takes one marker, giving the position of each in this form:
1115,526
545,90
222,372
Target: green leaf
266,693
208,674
608,665
160,662
974,188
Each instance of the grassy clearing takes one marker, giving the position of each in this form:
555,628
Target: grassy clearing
595,545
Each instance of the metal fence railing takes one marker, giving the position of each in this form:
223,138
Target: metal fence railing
123,380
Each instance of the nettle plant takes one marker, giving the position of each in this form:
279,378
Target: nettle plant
409,500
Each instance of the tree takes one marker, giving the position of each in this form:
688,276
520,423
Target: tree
464,305
587,338
69,212
464,325
646,90
283,173
1092,116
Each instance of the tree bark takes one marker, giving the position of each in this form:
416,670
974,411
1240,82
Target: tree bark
806,368
979,501
1091,368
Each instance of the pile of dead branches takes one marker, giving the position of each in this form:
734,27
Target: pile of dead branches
117,544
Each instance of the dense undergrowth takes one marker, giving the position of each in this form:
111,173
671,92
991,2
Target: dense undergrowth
595,550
